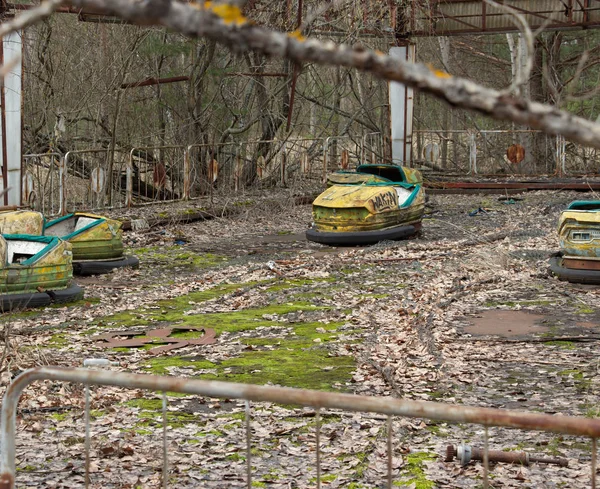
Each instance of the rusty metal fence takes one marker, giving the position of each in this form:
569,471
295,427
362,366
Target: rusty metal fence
100,179
390,408
487,152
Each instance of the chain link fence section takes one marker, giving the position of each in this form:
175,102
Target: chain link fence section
251,439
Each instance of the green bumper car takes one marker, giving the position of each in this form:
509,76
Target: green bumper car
36,271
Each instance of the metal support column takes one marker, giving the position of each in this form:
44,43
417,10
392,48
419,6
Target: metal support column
401,110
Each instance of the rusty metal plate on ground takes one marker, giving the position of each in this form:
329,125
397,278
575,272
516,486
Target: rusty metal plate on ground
160,337
515,153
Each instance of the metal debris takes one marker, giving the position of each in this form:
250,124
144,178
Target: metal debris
466,453
156,336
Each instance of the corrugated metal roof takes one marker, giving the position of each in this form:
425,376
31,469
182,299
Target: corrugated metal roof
447,17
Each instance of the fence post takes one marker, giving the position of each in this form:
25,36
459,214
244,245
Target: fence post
129,180
560,156
325,158
186,173
283,162
62,184
472,154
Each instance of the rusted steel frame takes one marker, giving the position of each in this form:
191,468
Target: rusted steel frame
585,7
484,131
483,16
515,185
537,14
155,81
458,19
490,30
281,395
257,75
3,124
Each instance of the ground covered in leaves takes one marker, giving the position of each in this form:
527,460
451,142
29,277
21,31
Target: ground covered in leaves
465,313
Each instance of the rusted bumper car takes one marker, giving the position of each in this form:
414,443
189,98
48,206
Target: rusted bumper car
372,204
97,242
35,271
579,238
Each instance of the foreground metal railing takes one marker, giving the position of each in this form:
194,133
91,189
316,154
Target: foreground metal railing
486,417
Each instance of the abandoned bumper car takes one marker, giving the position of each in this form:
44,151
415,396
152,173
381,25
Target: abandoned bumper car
96,241
372,204
579,237
36,271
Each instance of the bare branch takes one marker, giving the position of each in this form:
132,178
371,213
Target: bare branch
30,17
242,35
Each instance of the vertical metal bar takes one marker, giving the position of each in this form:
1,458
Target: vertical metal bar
486,459
594,461
472,154
483,16
390,452
283,163
165,471
186,173
62,184
4,128
87,436
248,447
325,157
318,440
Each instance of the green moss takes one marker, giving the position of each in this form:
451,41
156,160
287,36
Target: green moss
58,341
258,484
413,471
172,257
236,457
59,416
73,440
585,310
581,381
327,478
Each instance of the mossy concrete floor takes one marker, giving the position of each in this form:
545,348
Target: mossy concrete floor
386,320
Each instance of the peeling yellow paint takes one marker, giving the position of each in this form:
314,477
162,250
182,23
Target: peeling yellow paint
349,208
22,222
582,223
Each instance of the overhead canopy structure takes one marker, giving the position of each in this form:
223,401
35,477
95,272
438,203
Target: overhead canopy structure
455,17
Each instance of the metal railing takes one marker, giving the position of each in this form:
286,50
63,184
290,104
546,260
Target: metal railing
41,189
389,407
485,152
